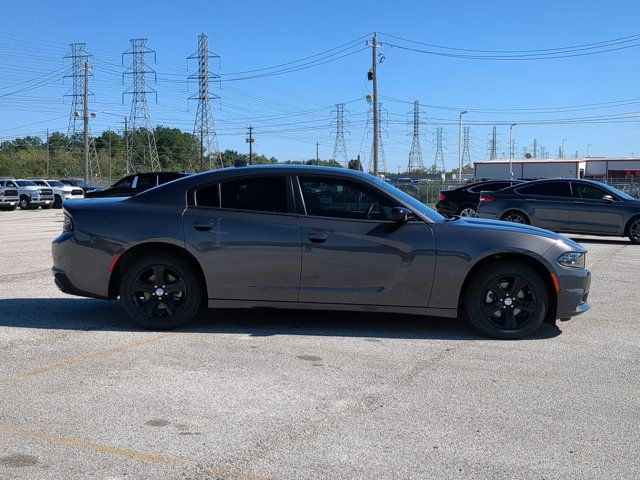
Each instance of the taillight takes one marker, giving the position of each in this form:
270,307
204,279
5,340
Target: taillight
486,198
67,224
442,197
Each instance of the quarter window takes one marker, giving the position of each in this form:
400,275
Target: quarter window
548,189
327,197
263,194
146,182
208,196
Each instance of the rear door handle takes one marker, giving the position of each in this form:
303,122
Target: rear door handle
203,226
317,237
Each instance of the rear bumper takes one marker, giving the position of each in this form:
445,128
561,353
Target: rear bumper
65,285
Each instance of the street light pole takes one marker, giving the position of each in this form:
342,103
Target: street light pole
511,149
587,154
464,112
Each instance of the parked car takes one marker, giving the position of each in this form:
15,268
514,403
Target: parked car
9,197
61,192
134,184
31,196
464,200
309,237
74,182
566,205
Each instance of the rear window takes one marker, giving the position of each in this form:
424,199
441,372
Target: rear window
548,189
262,194
208,196
489,187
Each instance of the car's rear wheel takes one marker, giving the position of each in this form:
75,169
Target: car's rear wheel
634,230
160,291
516,217
506,299
468,211
57,202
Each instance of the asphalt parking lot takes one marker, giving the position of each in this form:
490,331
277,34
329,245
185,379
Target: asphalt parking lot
307,395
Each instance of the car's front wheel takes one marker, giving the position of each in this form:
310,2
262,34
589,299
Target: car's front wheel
25,203
634,230
160,291
57,202
506,299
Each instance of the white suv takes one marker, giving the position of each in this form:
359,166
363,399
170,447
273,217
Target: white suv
31,195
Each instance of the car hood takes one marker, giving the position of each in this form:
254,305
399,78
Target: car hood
500,225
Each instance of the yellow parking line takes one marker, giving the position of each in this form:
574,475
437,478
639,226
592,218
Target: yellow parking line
87,357
218,473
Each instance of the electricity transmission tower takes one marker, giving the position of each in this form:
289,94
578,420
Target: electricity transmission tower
438,162
493,144
379,154
79,93
416,161
141,142
340,146
204,131
466,140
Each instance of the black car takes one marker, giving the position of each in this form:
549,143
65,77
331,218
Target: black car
317,238
74,182
464,200
566,205
133,184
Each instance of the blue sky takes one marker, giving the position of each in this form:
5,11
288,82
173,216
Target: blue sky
291,112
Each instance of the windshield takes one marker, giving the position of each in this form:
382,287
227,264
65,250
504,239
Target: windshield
40,183
617,192
25,183
81,183
414,203
55,183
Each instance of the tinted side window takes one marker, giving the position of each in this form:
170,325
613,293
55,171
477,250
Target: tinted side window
145,182
208,196
264,194
490,187
125,183
549,189
327,197
591,192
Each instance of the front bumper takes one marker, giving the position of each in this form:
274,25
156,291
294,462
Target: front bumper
9,201
41,200
574,292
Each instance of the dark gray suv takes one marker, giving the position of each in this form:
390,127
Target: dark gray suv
312,238
564,205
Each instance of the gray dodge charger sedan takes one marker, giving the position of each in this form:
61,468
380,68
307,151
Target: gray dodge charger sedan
312,238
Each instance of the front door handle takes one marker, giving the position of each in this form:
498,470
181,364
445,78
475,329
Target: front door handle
317,237
203,226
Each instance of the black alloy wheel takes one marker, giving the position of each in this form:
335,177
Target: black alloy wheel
160,291
506,299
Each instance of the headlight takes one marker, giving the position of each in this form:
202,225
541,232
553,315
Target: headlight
572,260
67,224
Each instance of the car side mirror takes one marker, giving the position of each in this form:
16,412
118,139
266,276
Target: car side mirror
400,214
608,198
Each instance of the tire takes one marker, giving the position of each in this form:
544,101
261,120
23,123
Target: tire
25,203
506,299
516,217
633,230
181,289
57,202
467,211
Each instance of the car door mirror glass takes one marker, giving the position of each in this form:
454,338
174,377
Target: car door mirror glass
400,214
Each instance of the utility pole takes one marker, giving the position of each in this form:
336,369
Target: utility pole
511,149
250,142
48,154
493,144
373,76
535,148
317,153
464,112
85,118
